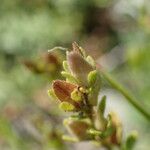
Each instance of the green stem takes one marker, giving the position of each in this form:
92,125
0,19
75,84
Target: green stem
131,99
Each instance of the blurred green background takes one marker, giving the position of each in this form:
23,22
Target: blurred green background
116,33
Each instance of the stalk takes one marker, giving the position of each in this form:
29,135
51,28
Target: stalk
129,97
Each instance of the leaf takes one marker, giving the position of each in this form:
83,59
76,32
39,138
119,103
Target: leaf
102,105
131,139
92,77
91,61
94,89
76,95
65,66
66,106
70,78
109,129
51,94
94,132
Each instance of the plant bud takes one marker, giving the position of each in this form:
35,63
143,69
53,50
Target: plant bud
117,136
63,90
77,128
79,67
131,139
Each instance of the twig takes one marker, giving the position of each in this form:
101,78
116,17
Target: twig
131,99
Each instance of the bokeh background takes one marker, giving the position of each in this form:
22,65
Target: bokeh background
115,32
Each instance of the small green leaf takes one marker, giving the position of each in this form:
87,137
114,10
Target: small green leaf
101,134
94,132
95,87
109,124
91,61
69,77
65,66
83,52
131,139
100,113
109,131
76,95
102,105
51,93
66,106
92,77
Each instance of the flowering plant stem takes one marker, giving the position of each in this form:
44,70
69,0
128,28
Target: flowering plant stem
130,98
79,94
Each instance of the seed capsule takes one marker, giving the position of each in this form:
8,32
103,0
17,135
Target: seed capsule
63,90
77,128
79,67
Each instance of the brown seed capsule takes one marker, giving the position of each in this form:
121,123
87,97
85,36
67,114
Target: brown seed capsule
79,67
77,128
63,91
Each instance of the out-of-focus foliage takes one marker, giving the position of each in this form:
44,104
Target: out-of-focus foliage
28,28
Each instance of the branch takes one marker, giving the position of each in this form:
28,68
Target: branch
130,98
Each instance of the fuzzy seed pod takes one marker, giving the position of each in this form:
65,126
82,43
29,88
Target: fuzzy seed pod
77,128
63,90
79,67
